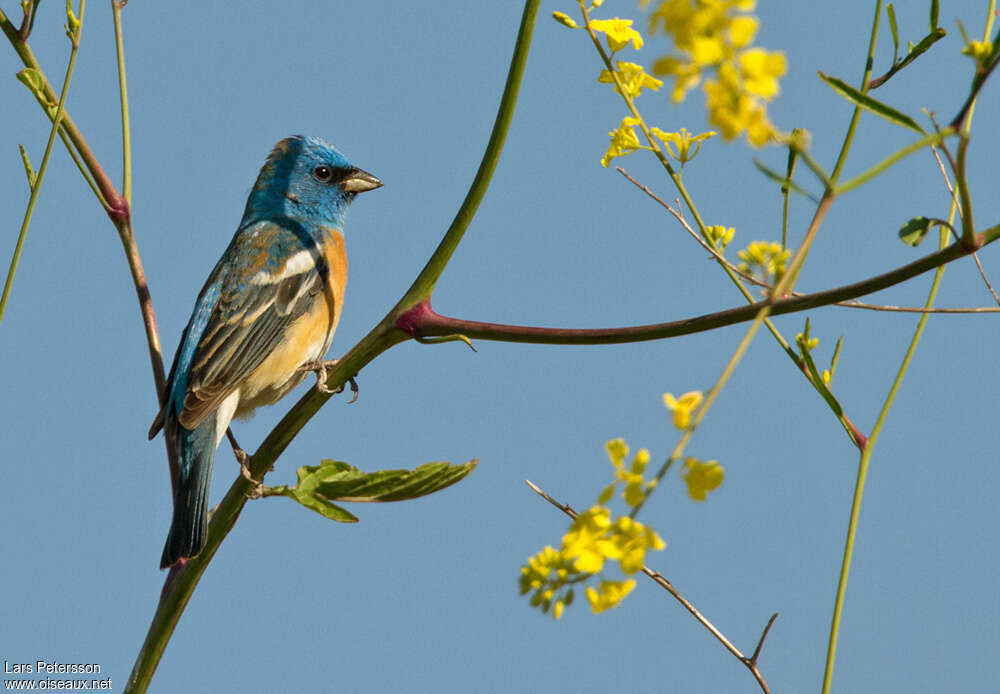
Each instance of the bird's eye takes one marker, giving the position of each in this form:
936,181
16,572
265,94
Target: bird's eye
323,173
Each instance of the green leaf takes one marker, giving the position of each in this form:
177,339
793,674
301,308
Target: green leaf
895,31
334,480
869,104
783,181
914,52
35,81
392,485
28,170
914,231
934,15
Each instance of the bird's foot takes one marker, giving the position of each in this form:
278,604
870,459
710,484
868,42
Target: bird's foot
244,460
319,368
257,490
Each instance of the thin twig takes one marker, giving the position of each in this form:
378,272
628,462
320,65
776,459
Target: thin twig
760,642
30,10
718,257
951,192
36,183
661,580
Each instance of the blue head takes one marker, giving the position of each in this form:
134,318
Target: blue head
305,178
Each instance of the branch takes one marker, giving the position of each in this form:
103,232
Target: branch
183,577
35,182
722,260
661,580
983,73
423,321
115,204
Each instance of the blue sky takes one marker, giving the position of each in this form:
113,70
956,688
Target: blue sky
422,596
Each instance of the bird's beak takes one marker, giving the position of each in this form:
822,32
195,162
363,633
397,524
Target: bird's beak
359,181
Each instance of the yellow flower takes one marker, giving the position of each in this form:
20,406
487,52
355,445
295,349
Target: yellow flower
547,576
720,235
636,486
557,611
609,594
634,539
701,478
623,141
734,110
683,142
617,450
769,257
806,344
586,541
686,75
707,50
683,407
710,36
978,50
632,78
634,482
760,71
742,31
619,33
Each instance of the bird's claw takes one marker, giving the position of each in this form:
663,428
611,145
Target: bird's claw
319,368
244,460
257,490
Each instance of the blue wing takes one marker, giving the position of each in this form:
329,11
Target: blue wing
269,276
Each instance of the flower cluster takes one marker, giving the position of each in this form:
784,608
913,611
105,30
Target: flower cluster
636,487
592,539
629,80
767,257
714,36
720,236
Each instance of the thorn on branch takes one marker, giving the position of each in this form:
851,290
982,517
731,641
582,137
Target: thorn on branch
456,337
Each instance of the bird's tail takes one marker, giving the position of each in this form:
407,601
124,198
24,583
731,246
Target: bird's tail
195,456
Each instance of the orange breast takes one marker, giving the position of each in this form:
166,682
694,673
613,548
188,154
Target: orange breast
307,339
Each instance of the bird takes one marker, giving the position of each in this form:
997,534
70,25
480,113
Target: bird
269,307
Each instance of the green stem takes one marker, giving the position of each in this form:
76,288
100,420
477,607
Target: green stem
866,453
423,286
183,579
882,166
116,13
869,62
859,485
785,193
113,202
36,185
784,285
